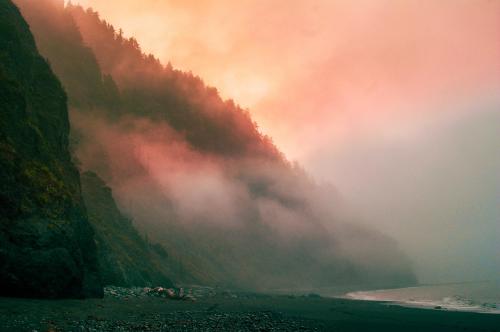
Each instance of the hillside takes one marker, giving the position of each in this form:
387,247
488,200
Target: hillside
149,89
46,243
125,258
195,174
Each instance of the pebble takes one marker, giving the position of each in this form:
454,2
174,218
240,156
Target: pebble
206,319
200,321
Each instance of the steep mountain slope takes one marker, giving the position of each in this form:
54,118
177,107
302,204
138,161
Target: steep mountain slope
125,258
182,99
73,62
47,247
195,174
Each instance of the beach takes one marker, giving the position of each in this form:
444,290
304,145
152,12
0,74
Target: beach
232,312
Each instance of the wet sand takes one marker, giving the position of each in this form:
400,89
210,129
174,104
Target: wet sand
231,313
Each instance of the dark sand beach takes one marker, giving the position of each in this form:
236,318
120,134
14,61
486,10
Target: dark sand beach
248,312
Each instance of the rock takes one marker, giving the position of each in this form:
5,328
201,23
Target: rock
47,246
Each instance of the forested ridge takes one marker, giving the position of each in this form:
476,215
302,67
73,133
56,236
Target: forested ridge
194,174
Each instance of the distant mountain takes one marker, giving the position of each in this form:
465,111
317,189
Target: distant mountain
47,247
194,173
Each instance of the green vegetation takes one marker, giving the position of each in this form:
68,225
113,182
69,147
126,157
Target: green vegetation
109,74
125,259
46,244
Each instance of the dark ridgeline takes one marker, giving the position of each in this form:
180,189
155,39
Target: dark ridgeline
74,63
47,247
146,88
111,84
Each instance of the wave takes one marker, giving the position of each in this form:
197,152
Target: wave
428,297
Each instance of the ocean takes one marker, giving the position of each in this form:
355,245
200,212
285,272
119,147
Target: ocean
481,297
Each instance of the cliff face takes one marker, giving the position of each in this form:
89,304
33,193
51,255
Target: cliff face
47,247
125,258
58,39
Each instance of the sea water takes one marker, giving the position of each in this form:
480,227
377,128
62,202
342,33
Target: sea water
481,297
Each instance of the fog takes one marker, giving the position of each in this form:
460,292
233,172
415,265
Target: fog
245,222
395,103
436,190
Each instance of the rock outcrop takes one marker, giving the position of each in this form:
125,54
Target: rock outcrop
47,246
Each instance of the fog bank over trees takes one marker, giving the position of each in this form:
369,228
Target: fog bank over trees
194,172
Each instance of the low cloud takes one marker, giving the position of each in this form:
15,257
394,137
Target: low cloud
261,224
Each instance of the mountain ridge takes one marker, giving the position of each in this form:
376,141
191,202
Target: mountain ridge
195,174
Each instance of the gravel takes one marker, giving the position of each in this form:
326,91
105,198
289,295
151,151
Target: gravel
149,309
196,321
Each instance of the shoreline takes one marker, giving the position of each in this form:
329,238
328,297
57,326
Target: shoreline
428,306
427,297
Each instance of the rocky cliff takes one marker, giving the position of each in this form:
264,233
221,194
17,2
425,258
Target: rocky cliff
47,246
125,259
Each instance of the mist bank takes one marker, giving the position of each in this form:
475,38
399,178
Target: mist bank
385,99
233,221
194,173
441,188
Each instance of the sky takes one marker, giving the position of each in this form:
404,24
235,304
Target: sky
397,103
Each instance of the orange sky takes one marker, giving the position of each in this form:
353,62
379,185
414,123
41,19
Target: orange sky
333,65
372,95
